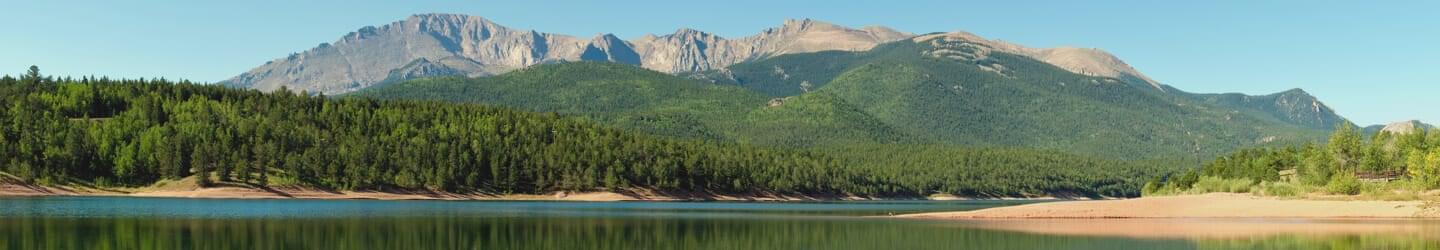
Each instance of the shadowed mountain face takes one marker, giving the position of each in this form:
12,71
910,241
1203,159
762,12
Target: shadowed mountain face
474,46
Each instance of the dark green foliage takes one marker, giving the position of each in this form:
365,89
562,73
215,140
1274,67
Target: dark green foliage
1000,172
623,95
1336,165
892,94
1258,164
1036,105
1293,106
136,132
165,130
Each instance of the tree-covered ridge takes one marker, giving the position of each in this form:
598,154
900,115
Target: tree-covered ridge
1020,103
136,132
890,94
622,95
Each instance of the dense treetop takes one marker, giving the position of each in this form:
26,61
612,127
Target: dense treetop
136,132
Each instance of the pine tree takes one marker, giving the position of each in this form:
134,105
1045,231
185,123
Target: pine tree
32,76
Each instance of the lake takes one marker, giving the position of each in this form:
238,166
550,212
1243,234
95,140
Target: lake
167,223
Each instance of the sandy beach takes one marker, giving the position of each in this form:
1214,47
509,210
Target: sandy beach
1216,215
1215,205
1210,228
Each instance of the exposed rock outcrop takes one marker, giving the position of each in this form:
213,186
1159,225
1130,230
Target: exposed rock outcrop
1085,61
429,44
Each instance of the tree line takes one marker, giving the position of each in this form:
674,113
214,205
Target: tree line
1347,156
135,132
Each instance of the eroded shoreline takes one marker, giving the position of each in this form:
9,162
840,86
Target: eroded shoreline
178,189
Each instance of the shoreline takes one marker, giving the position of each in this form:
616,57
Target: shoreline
179,189
1205,206
1210,228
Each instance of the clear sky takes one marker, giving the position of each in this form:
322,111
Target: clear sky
1374,62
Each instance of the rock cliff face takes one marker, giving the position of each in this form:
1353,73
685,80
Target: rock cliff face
467,44
423,45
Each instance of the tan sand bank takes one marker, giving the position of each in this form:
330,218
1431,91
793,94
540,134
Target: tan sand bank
1215,205
1212,228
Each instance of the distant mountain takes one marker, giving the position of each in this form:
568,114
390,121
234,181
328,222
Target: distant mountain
1293,106
1400,127
448,44
807,84
958,89
909,92
793,75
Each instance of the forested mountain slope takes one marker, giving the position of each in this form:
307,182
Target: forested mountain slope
135,132
920,92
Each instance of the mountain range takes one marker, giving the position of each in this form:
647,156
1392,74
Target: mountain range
805,83
445,44
434,44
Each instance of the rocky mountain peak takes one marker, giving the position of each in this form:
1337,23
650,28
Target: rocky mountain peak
477,46
804,24
1405,127
609,48
438,43
688,33
1084,61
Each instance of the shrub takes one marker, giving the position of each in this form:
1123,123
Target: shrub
1211,184
1281,189
1170,188
1424,167
1345,184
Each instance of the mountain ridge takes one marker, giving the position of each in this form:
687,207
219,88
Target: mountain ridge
474,46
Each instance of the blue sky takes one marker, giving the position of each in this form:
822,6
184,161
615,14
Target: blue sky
1372,62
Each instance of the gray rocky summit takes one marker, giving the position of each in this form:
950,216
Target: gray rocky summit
449,44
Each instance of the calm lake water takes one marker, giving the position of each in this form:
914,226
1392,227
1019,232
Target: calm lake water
163,223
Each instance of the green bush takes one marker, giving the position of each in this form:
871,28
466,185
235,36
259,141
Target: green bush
1211,184
1281,189
1170,188
1344,184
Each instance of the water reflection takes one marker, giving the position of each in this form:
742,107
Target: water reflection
119,223
524,233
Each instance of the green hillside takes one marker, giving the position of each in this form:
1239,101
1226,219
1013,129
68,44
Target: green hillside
621,95
892,94
105,133
1026,103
